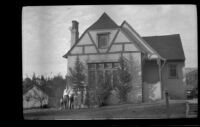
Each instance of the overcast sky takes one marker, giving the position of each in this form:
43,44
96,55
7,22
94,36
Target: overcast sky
46,35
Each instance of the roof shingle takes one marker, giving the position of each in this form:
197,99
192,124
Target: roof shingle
104,22
168,46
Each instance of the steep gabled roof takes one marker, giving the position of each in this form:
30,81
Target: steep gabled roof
30,87
168,46
104,22
27,89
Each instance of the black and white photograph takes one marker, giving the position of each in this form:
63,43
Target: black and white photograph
109,62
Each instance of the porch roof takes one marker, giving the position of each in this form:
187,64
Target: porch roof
168,46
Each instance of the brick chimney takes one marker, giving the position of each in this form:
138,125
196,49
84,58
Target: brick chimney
74,32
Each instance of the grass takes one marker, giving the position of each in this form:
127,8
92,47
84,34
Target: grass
146,111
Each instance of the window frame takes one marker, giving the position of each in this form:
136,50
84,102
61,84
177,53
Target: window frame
104,69
169,71
98,42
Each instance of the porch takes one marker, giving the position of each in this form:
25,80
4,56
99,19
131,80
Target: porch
152,87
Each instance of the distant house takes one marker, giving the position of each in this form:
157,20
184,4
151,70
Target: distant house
160,60
34,97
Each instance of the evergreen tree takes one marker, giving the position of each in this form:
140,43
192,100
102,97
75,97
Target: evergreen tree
125,77
77,76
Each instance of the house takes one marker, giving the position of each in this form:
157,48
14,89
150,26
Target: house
34,97
156,62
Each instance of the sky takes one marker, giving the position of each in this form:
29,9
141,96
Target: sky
46,34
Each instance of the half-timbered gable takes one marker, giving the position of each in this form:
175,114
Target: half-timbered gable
122,43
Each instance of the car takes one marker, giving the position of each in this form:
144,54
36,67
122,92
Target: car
192,93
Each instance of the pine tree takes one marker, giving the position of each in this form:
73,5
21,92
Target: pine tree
77,76
125,77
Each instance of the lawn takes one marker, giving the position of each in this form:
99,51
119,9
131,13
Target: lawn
125,111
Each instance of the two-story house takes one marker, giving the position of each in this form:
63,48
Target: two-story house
158,60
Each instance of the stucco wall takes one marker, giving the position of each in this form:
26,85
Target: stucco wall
121,38
77,50
151,81
90,49
115,48
176,87
85,40
130,47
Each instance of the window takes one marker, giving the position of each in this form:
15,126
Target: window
91,66
108,65
173,71
92,78
103,40
100,66
116,65
105,72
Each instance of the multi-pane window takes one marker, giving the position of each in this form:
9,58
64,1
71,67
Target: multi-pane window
91,66
100,66
115,65
102,73
103,39
173,71
108,65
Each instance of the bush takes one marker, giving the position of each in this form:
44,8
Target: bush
103,92
91,98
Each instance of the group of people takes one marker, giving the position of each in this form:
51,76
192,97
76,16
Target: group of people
71,99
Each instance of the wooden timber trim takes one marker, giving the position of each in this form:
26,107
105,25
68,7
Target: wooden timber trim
113,41
133,39
141,39
85,45
122,43
105,53
69,52
118,44
103,33
83,49
175,60
136,34
93,41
